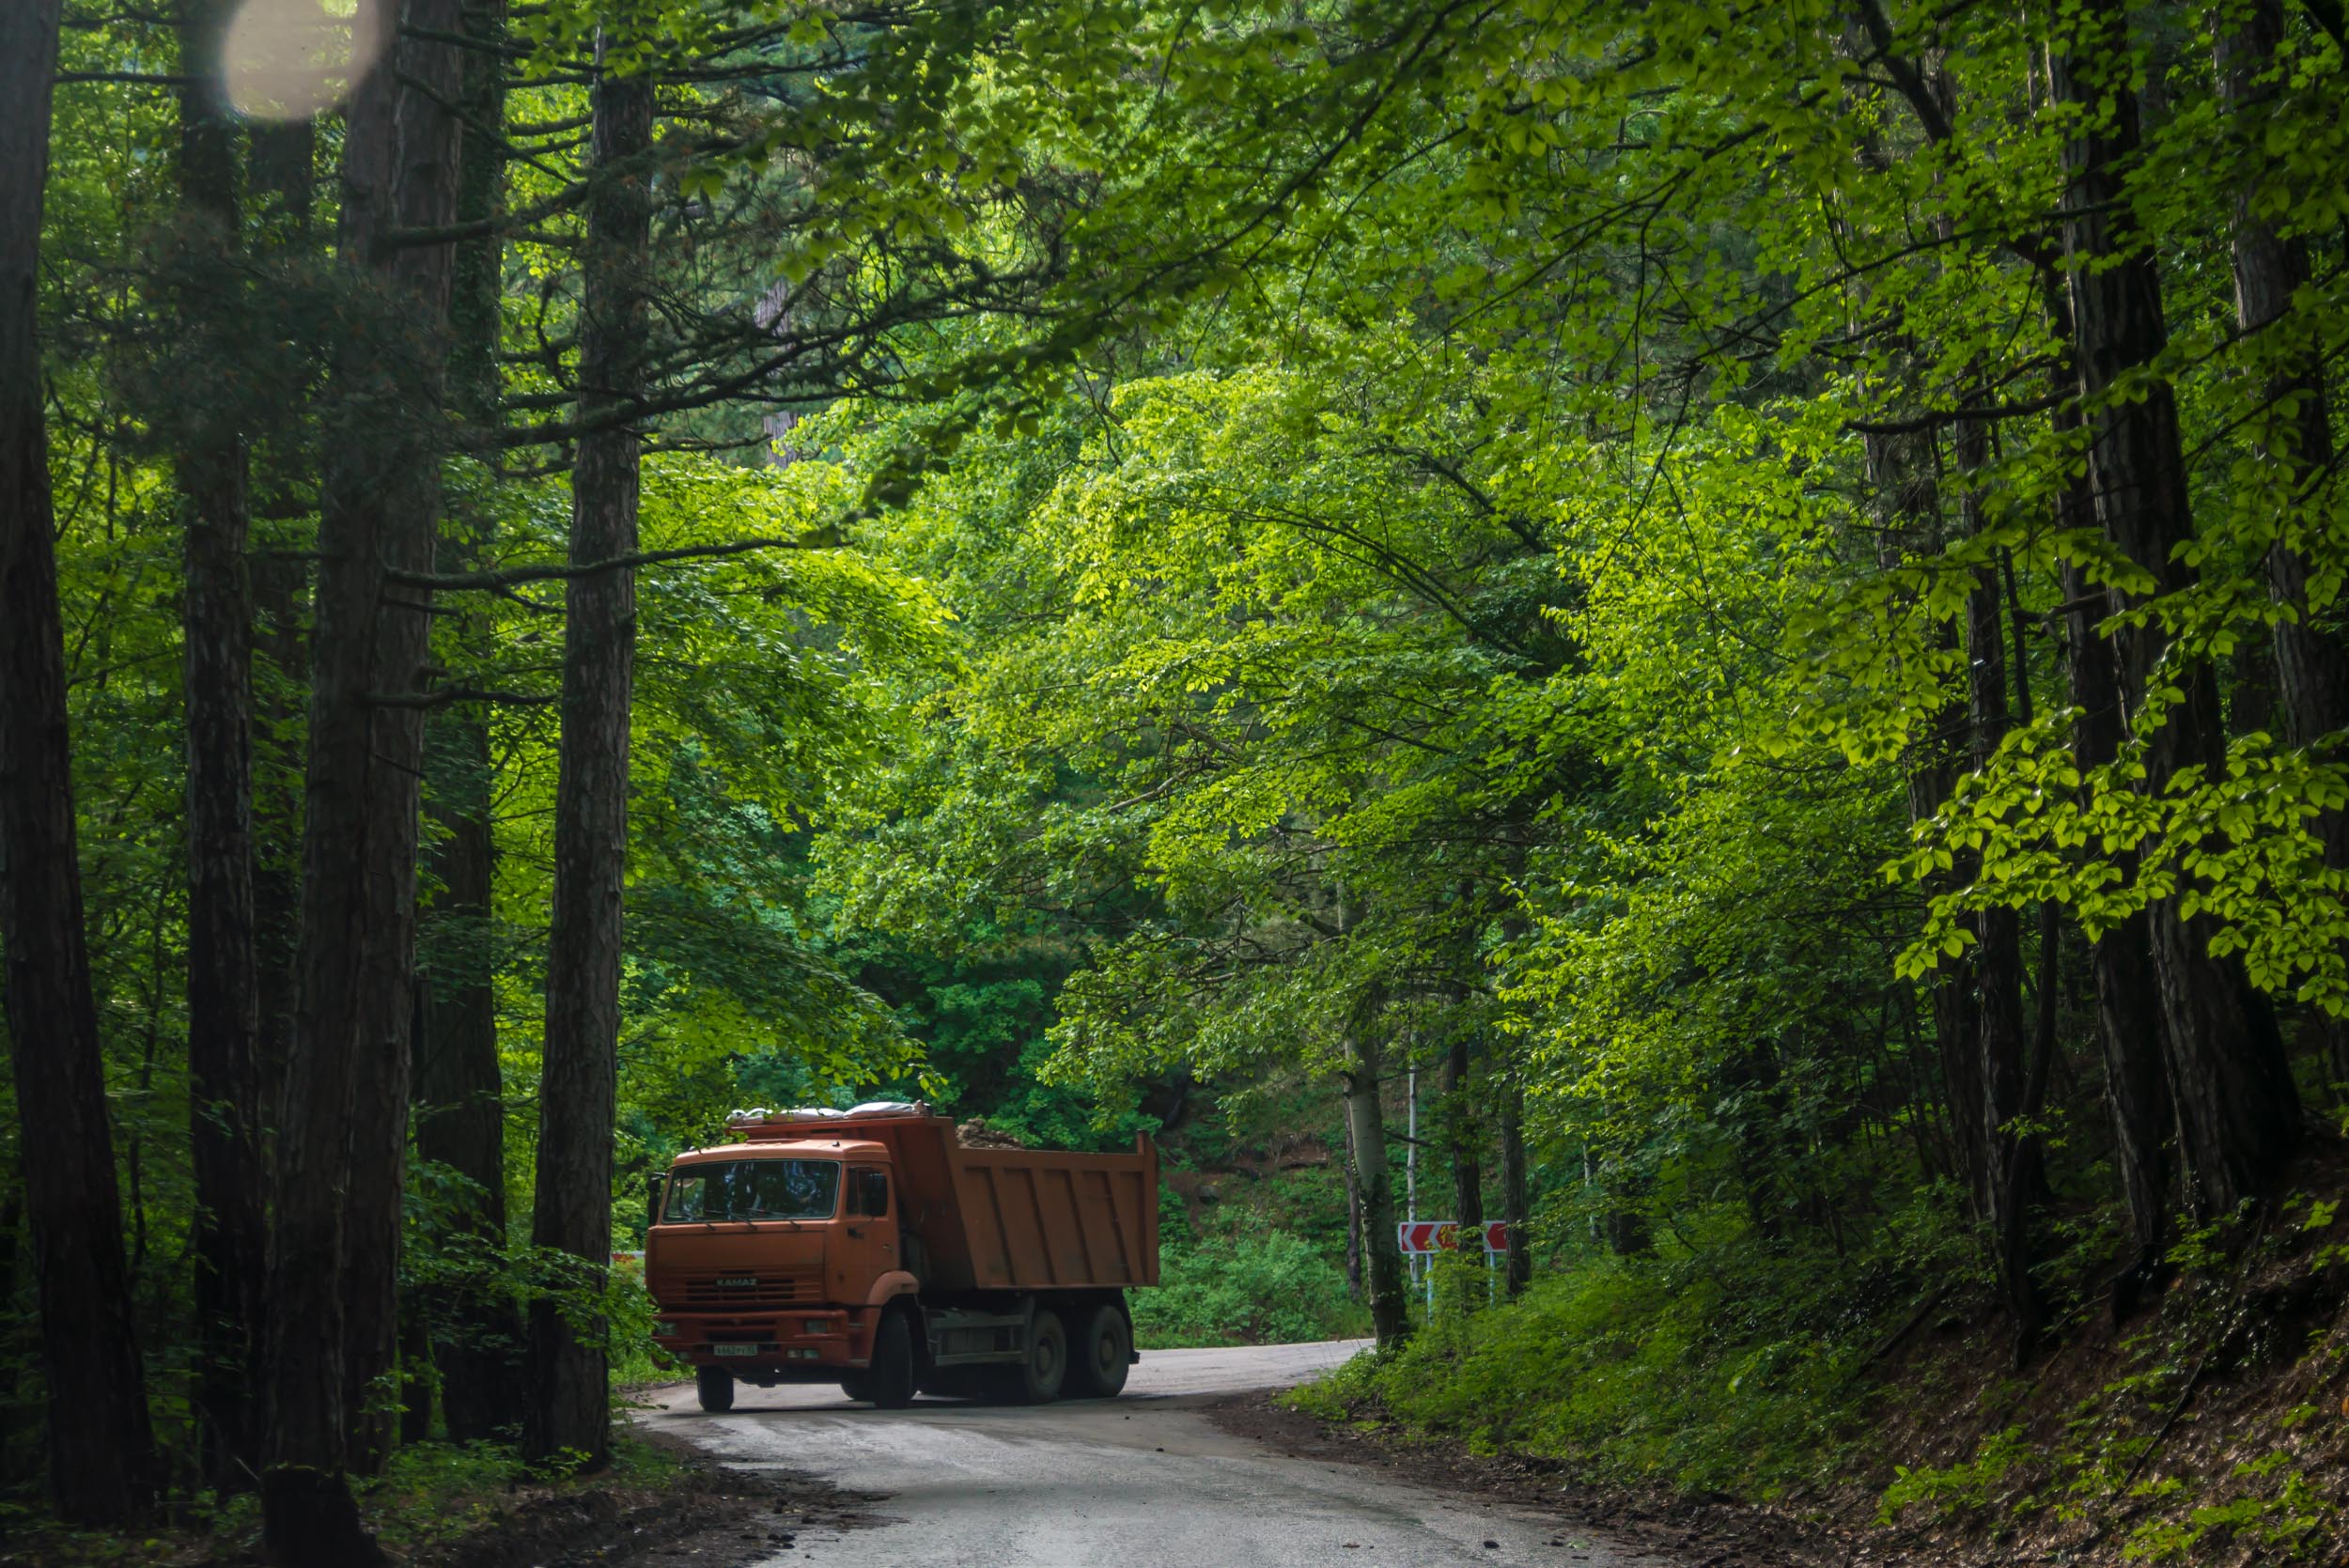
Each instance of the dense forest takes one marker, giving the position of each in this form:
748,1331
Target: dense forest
1735,612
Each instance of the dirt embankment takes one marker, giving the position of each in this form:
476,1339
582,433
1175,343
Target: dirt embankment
696,1515
1698,1532
709,1518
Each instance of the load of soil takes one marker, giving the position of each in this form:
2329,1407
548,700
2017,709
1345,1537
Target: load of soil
976,1134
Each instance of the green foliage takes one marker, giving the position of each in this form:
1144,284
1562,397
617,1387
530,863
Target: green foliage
1967,1487
1271,1288
2286,1525
1717,1372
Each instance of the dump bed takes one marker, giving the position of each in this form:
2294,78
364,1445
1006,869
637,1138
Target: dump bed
1025,1219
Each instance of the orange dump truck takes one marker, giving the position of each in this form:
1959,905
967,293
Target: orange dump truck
871,1249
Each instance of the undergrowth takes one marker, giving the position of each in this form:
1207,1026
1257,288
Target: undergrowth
2251,1304
2202,1434
429,1494
1729,1369
1272,1289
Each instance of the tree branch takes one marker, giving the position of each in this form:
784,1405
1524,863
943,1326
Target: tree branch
449,696
832,536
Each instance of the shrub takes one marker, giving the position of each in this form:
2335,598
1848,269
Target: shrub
1718,1376
1272,1289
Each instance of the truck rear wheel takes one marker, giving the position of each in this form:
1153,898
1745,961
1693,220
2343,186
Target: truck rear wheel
891,1377
1047,1366
715,1384
1104,1351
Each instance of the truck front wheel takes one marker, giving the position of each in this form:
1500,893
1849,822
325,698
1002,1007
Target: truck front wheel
715,1384
1103,1353
891,1377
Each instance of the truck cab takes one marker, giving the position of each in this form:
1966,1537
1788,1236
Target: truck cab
772,1262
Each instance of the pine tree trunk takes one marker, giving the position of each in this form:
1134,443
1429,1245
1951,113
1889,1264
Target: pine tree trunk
2312,663
102,1457
308,1513
2237,1112
567,1382
461,1117
1390,1312
1513,1185
281,670
461,1108
230,1222
423,195
280,185
342,1140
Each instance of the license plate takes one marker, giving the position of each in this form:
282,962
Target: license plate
734,1350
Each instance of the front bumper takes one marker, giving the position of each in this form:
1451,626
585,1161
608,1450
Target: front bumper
794,1341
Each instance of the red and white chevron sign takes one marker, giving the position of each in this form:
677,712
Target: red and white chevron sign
1443,1235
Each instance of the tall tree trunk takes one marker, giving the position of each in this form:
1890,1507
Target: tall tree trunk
309,1516
2312,663
280,186
102,1456
1513,1185
423,192
1353,1212
460,1111
1462,1135
281,668
567,1384
1902,472
2237,1112
342,1129
1390,1312
230,1222
2120,962
2010,1171
460,1115
2128,1005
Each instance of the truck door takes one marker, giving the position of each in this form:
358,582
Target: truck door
868,1236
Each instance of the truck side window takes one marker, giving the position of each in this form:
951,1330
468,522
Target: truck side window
870,1192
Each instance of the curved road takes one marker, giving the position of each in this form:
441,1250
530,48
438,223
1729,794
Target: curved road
1141,1482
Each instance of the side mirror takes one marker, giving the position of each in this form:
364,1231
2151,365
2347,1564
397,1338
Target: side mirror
653,1184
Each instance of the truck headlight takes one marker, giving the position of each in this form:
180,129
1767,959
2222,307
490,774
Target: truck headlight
814,1325
664,1328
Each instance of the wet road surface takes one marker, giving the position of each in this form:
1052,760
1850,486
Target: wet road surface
1145,1481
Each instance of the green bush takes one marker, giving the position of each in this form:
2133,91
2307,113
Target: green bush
1724,1376
1270,1289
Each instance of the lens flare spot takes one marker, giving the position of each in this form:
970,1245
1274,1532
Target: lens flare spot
289,59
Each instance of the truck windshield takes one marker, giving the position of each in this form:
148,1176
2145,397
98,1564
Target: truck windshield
754,1189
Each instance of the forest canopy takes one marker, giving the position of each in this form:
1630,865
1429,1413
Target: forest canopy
1737,607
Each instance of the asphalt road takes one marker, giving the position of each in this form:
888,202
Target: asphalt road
1145,1481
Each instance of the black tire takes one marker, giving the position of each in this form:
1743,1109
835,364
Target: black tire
1104,1354
891,1379
858,1386
1045,1369
715,1384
